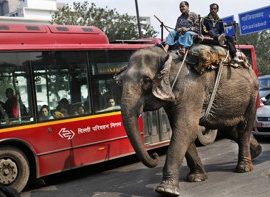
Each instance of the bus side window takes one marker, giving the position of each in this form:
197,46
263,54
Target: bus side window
104,65
106,95
15,92
62,75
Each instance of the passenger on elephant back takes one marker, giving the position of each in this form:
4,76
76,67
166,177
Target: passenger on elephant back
213,26
187,26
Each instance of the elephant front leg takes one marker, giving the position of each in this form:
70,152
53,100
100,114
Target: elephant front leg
197,172
180,142
169,185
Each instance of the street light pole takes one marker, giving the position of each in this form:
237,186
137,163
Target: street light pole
138,19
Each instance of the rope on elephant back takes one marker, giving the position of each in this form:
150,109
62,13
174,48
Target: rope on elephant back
213,95
180,68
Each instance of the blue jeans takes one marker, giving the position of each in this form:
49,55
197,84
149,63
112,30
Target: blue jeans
185,40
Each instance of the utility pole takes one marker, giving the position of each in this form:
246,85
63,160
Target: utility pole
138,19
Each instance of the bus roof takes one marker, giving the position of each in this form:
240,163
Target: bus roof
60,37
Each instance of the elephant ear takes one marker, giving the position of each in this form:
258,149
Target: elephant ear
161,86
118,76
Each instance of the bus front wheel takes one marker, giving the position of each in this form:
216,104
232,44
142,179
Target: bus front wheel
14,168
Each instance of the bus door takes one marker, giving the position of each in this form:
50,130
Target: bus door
156,126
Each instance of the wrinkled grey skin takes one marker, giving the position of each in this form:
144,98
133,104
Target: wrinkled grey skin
233,111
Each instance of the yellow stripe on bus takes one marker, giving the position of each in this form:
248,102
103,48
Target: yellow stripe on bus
35,125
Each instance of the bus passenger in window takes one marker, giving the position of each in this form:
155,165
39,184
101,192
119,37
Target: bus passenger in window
111,106
111,102
44,113
81,110
104,96
13,105
63,107
73,111
57,115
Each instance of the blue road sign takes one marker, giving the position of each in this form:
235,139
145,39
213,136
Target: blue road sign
229,31
255,20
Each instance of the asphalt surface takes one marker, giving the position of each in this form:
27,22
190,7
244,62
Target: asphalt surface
129,178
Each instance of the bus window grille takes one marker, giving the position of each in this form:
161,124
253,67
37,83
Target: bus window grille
87,29
4,27
32,28
62,28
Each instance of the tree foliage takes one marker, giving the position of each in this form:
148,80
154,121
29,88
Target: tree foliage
115,25
261,41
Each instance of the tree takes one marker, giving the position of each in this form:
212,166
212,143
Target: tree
261,41
263,51
249,39
115,25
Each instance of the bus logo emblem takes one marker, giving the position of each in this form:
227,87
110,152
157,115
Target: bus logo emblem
65,133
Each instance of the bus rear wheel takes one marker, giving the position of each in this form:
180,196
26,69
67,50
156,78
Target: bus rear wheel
14,168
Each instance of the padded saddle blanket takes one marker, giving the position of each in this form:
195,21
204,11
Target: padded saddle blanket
205,57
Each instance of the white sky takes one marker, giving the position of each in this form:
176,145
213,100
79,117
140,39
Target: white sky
168,10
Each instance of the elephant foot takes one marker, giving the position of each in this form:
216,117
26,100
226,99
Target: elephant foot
166,188
244,166
196,177
255,151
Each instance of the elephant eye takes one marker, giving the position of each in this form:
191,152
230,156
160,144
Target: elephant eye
147,83
146,80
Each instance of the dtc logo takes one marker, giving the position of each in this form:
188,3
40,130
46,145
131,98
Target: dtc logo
65,133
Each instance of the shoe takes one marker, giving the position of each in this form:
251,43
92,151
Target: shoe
179,55
236,59
200,38
221,39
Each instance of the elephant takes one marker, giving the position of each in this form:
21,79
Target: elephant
146,86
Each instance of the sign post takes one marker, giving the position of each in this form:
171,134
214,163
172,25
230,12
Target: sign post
229,30
254,20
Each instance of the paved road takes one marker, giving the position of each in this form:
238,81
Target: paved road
134,179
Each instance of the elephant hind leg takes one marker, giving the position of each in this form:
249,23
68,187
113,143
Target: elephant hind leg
244,165
255,147
241,135
244,155
255,150
197,172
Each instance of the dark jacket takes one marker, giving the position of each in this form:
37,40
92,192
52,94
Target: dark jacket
211,27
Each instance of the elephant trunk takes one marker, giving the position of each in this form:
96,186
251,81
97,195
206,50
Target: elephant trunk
129,114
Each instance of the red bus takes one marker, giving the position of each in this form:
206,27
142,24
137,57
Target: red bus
59,107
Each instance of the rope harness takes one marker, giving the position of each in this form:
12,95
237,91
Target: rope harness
180,68
213,95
